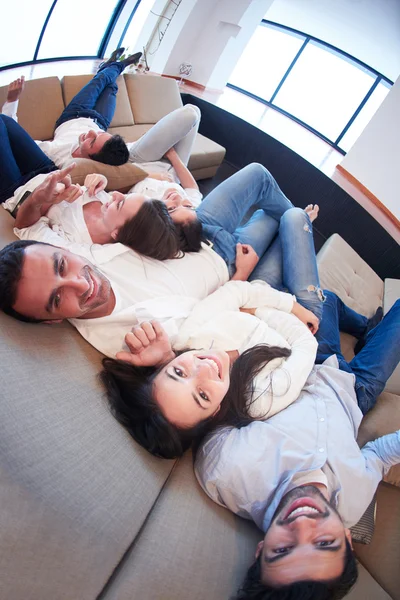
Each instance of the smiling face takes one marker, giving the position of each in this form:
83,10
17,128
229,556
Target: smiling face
121,208
192,386
91,143
56,284
179,207
305,541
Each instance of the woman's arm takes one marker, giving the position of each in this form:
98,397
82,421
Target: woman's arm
275,389
184,175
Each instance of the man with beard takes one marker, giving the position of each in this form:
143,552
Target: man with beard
302,478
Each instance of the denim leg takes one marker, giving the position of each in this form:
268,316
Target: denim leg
378,359
106,104
20,157
290,262
178,128
328,336
350,321
83,104
223,210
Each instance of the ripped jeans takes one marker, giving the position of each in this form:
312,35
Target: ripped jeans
286,263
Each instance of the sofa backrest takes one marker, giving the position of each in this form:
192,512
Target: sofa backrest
40,106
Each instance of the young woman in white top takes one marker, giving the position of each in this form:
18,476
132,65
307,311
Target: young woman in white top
166,396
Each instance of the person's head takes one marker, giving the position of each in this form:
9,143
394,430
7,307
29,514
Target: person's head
179,207
141,223
187,398
41,282
103,147
306,552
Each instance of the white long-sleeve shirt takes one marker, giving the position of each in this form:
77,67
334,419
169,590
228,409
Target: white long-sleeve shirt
217,322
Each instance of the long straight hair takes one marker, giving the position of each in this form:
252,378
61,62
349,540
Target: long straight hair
130,394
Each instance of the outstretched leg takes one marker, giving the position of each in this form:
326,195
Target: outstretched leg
178,128
85,101
290,262
20,157
375,363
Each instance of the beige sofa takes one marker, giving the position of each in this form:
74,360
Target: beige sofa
86,513
142,100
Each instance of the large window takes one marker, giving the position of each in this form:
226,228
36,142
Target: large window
41,30
332,94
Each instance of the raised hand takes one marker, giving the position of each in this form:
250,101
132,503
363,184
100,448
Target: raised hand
56,188
95,183
15,89
246,260
148,344
306,316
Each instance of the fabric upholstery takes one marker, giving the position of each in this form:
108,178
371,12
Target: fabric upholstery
152,97
391,294
39,107
120,178
75,489
344,272
366,587
382,557
72,84
191,547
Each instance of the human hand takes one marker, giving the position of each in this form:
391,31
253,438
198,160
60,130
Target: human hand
15,89
162,176
246,260
306,316
148,345
95,183
56,188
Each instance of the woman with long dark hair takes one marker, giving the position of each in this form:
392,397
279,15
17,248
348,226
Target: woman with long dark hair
167,398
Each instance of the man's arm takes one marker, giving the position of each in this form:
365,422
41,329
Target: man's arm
184,175
56,188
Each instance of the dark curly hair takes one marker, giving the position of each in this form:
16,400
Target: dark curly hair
335,589
114,152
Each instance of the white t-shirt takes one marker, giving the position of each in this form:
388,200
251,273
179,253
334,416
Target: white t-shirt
137,281
65,141
153,188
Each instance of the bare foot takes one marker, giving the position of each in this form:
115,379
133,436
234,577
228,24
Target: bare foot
312,210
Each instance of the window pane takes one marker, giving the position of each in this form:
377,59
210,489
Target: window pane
242,106
365,116
19,36
76,28
324,90
136,25
265,61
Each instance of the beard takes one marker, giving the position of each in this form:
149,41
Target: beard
301,492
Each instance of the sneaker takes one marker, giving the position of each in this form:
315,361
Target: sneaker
371,323
113,58
133,59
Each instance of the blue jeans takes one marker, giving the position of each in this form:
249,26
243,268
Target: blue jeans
375,363
20,157
290,262
97,100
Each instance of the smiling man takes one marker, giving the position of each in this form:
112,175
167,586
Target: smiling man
302,478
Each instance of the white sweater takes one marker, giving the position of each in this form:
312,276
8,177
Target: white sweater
217,322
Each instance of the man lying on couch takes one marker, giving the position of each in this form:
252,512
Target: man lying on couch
304,486
81,130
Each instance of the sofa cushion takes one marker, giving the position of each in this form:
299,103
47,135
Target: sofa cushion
75,489
391,294
72,84
120,178
191,547
40,106
205,153
152,97
344,272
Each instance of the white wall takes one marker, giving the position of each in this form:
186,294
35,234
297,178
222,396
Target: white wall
375,157
209,34
366,29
